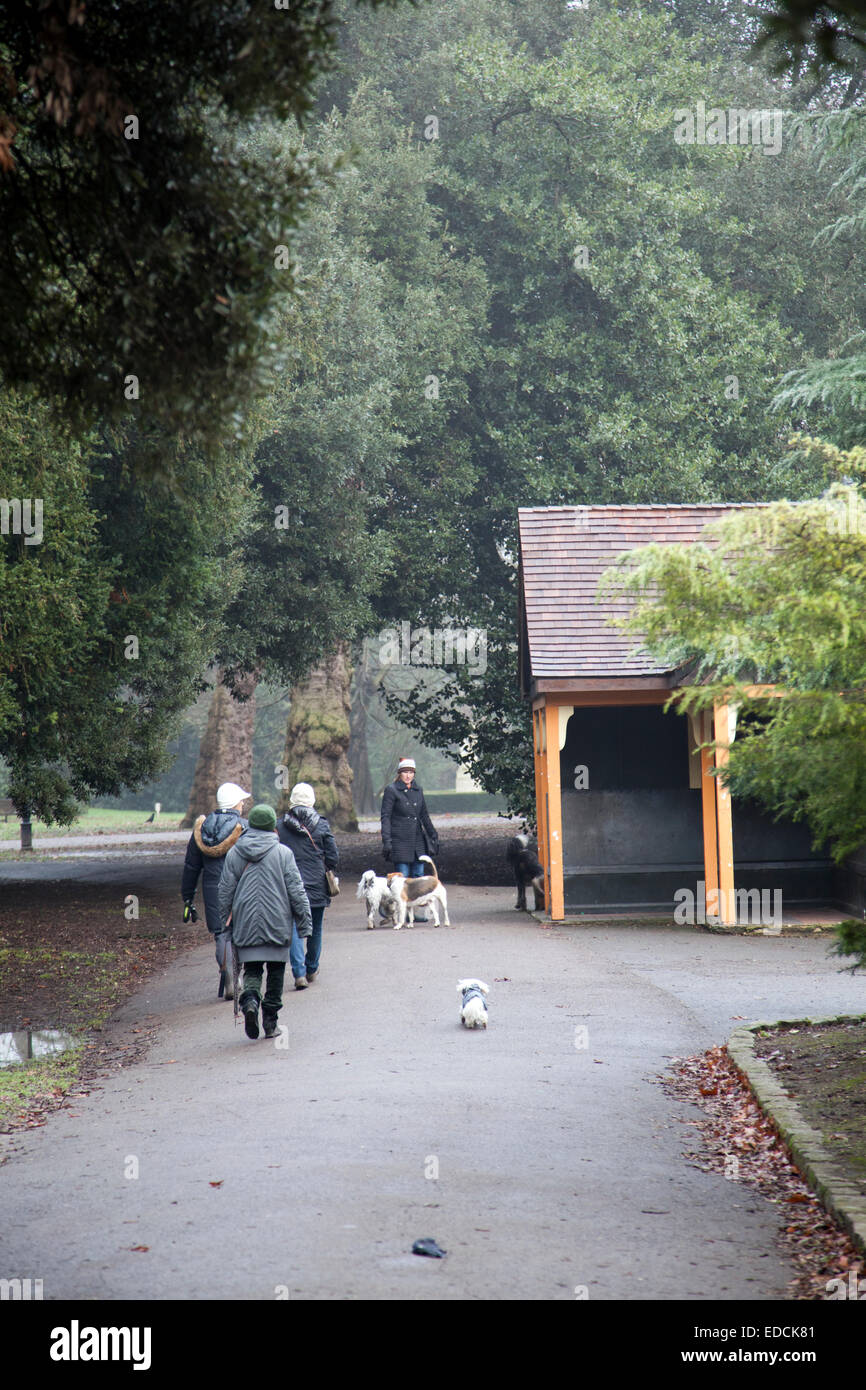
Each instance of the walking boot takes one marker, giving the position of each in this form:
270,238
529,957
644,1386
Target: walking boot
269,1023
251,1017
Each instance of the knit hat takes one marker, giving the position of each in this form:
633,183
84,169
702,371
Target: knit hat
263,817
229,794
406,763
302,795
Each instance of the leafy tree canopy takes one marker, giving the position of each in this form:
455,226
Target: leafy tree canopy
137,232
836,385
642,299
349,446
110,617
832,34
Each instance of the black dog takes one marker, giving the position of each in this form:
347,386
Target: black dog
527,870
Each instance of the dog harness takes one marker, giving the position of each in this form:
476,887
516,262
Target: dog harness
473,992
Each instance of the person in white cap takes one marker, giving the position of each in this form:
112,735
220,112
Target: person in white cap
407,829
211,839
308,835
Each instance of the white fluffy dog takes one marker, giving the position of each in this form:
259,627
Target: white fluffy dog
409,893
377,895
474,1010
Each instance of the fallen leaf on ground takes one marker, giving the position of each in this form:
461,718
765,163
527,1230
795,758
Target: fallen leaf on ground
735,1125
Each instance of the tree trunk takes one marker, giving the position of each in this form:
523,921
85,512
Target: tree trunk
362,691
317,739
226,751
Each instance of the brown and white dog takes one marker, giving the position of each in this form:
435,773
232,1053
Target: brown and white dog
410,893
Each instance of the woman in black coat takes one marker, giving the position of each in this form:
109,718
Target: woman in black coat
407,830
308,835
211,839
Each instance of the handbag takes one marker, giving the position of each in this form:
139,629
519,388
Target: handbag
330,877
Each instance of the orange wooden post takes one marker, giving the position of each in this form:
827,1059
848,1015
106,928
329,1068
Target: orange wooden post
556,906
541,793
538,732
728,905
711,853
539,767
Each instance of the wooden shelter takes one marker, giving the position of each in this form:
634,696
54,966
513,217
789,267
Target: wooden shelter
629,812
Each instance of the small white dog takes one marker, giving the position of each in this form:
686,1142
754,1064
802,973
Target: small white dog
377,895
409,893
474,1010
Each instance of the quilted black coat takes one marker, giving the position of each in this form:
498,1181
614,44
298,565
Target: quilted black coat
407,829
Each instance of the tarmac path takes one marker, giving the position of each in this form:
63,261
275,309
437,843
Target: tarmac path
306,1167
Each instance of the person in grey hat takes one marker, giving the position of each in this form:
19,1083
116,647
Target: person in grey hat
261,892
308,835
211,839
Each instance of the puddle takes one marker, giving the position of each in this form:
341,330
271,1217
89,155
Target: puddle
30,1043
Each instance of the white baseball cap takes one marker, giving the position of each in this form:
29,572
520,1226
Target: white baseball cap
229,794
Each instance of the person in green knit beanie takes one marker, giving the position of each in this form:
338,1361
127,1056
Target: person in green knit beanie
261,893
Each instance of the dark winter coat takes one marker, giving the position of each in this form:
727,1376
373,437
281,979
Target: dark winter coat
212,838
312,859
407,829
262,898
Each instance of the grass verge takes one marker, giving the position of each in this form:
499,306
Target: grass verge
822,1066
95,821
69,957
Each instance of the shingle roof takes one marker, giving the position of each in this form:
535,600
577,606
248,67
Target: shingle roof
564,551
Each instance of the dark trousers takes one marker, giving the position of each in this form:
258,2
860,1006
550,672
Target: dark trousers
252,990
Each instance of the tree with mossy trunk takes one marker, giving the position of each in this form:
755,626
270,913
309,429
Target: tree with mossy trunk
317,740
226,750
344,429
358,754
630,292
307,562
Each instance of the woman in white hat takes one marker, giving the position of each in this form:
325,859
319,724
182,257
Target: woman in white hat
309,837
407,830
211,839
